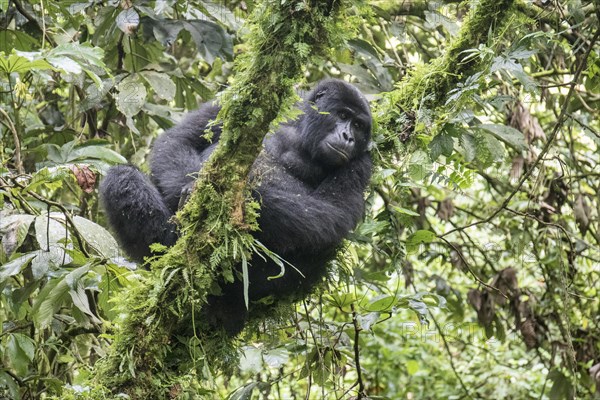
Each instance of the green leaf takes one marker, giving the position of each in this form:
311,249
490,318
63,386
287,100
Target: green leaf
562,388
14,267
251,360
405,211
382,303
211,40
245,281
54,294
56,257
529,84
128,20
85,54
493,148
412,367
421,236
17,356
507,134
521,53
49,175
19,40
131,95
7,381
416,239
48,301
162,84
419,165
341,300
98,237
441,144
19,64
245,392
100,152
469,147
276,358
80,300
66,64
368,320
95,94
418,306
13,230
50,230
504,63
26,344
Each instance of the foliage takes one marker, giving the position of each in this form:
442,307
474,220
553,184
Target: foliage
474,274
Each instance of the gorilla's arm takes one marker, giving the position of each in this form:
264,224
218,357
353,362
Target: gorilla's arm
136,211
294,217
179,153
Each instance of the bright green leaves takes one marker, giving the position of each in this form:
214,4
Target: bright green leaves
70,58
341,300
417,239
19,64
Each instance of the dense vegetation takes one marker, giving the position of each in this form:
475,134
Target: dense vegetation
476,270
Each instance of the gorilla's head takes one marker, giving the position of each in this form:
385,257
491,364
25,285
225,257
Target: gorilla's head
336,126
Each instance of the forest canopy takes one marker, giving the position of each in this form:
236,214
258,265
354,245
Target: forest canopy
474,273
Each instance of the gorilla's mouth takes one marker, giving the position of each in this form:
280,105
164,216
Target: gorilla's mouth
342,153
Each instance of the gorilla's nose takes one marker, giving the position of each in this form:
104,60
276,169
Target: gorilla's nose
348,137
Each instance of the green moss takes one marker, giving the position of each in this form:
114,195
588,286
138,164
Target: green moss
427,86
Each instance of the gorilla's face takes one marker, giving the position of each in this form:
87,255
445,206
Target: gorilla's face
337,124
347,135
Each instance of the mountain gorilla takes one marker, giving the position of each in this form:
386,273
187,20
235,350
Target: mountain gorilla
309,179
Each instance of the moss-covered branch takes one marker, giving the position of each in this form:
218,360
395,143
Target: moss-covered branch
162,338
414,8
429,85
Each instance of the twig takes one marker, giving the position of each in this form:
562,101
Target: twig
478,279
357,329
18,160
16,328
557,226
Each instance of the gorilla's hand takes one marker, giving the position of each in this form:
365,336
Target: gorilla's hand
185,194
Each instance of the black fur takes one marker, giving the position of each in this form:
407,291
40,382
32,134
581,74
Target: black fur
310,180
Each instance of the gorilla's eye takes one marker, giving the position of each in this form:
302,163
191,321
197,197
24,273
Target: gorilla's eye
343,115
358,124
